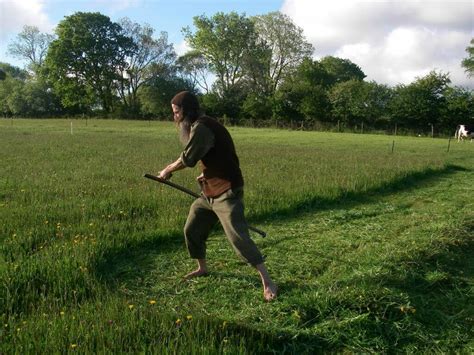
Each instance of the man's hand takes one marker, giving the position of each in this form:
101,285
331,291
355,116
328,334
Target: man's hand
165,174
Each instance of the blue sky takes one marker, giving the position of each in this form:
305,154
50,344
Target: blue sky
163,15
393,41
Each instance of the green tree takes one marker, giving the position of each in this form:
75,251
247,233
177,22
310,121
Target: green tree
315,104
13,71
314,73
211,104
224,40
304,95
359,102
468,63
7,88
280,48
421,103
26,96
155,96
459,108
14,80
151,56
84,62
194,68
377,99
287,102
343,99
257,106
33,99
31,45
341,70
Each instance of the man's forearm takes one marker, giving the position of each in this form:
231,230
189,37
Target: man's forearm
175,166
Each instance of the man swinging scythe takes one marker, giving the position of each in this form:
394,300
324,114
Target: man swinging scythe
208,142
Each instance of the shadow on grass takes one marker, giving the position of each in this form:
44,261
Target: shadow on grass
438,282
134,260
445,294
130,265
347,199
140,255
249,340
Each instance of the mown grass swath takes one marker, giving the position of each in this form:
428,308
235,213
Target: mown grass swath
371,248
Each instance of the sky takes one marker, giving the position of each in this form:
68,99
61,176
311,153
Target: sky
392,41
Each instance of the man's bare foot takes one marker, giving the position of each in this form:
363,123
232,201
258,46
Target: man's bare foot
269,288
200,271
196,273
270,291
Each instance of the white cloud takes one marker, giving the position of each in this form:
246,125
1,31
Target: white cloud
182,47
15,14
392,41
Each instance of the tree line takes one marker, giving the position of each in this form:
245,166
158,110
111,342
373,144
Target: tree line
244,69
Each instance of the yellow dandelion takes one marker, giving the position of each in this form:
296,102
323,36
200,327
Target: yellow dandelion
62,313
73,346
178,321
189,317
152,302
407,309
46,222
130,306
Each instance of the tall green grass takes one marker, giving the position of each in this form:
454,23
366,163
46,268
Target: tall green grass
370,247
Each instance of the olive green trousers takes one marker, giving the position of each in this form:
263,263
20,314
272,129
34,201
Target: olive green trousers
228,208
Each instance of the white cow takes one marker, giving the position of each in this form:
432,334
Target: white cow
464,131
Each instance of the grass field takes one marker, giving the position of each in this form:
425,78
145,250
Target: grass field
371,248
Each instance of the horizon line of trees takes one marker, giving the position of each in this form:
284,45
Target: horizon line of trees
261,66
